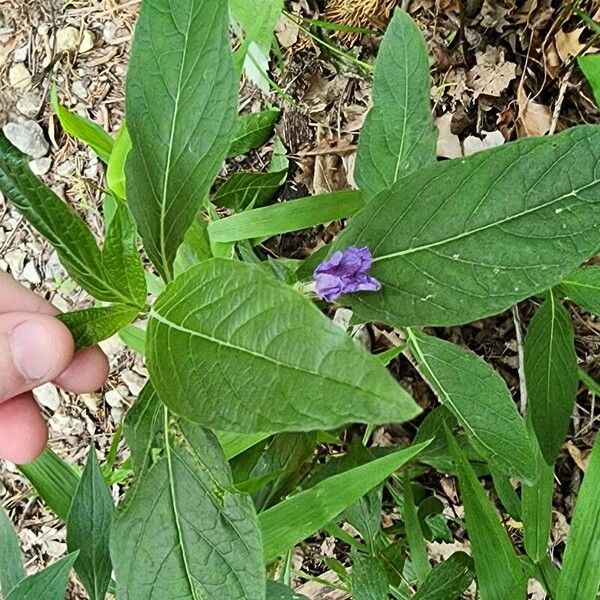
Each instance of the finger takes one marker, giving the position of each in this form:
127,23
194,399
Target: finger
87,372
34,349
23,432
14,297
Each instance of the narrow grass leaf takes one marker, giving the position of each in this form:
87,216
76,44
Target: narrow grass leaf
465,239
115,172
83,129
398,136
301,515
88,529
49,584
222,357
448,580
580,577
551,375
499,574
414,534
11,564
181,111
480,400
286,217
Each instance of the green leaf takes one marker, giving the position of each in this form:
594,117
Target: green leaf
369,579
278,591
83,129
57,222
537,511
88,529
258,19
49,584
414,534
181,112
499,574
580,576
590,67
398,136
506,493
448,580
234,444
252,131
134,337
249,189
184,530
92,325
464,239
480,400
200,364
115,173
195,247
121,259
11,565
54,480
298,517
583,288
551,375
285,217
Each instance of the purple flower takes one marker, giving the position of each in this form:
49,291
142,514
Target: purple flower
345,272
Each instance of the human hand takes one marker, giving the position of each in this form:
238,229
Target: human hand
36,348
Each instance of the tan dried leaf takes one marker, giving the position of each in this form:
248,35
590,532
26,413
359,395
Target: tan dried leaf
534,119
492,74
568,45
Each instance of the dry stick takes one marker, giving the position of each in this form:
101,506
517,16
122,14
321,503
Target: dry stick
521,354
559,101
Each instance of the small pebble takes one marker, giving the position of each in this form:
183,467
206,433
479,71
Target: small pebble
28,137
29,104
31,273
40,166
19,76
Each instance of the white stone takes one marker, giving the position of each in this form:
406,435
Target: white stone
20,54
133,381
19,76
40,166
29,104
48,396
87,42
28,137
113,398
31,273
15,259
66,168
67,39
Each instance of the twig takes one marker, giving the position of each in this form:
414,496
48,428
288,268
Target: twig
521,354
559,101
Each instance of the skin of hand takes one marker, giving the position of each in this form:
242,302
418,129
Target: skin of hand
36,348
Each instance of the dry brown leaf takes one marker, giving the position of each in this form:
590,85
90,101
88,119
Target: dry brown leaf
581,458
568,45
534,119
287,32
448,144
492,74
488,139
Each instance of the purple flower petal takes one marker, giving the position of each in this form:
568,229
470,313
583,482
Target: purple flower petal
345,272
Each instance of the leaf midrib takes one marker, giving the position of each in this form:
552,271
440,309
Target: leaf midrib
464,234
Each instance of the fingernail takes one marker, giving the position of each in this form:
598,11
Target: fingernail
32,350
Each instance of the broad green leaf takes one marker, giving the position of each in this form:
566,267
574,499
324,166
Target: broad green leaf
200,363
258,19
83,129
551,375
121,259
234,444
583,288
278,591
590,67
195,247
184,530
56,221
536,503
115,173
480,400
54,480
134,337
88,529
249,189
252,131
11,565
398,136
448,580
464,239
285,217
580,576
414,534
92,325
369,579
49,584
499,574
301,515
181,112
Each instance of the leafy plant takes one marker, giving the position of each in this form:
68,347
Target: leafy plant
248,375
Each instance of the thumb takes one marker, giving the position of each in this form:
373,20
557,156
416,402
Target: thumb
34,349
